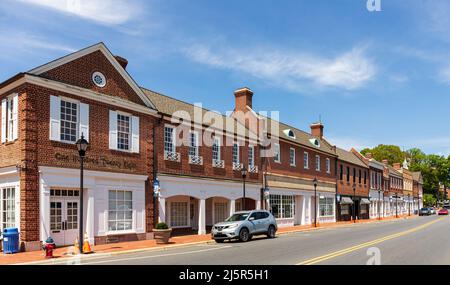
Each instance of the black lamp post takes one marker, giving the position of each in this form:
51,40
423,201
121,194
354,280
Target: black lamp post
244,175
315,202
379,204
82,145
396,205
354,202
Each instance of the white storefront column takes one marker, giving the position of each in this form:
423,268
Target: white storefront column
258,205
90,215
202,217
162,210
232,207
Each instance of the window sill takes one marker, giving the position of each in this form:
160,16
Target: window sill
111,233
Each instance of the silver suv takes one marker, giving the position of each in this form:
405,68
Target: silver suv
244,225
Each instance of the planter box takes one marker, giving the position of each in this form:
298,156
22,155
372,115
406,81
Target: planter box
162,236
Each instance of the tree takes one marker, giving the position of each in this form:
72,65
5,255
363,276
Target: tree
429,200
392,153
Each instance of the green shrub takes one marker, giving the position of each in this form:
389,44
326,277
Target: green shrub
162,226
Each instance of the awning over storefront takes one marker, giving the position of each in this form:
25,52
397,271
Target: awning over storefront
365,201
346,201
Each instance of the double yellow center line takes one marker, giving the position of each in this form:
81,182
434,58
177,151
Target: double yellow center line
323,258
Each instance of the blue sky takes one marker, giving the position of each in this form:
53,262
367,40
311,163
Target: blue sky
380,77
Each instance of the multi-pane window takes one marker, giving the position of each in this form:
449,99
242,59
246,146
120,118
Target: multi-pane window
178,214
328,165
120,216
292,156
220,212
169,144
193,144
326,206
69,121
8,207
348,174
216,149
341,174
251,156
10,118
317,163
236,153
277,154
123,132
56,216
354,175
306,160
282,206
360,176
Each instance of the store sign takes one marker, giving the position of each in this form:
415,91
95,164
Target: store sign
101,161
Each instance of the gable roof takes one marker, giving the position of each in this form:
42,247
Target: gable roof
349,157
168,106
394,171
107,53
300,137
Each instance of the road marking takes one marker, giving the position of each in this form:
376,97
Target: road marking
154,256
364,245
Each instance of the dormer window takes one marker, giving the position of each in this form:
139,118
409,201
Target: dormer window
315,142
289,133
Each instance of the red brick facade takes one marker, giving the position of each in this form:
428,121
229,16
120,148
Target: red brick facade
345,185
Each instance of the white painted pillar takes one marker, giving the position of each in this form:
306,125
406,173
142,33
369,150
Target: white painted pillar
90,215
303,210
232,207
162,210
202,217
310,211
258,205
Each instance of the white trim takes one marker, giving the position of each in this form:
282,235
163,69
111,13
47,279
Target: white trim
81,92
100,174
98,47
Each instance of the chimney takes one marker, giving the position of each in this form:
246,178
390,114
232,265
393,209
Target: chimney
122,61
317,130
243,99
397,166
369,155
385,161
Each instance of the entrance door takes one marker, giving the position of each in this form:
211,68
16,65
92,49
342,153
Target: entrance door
64,219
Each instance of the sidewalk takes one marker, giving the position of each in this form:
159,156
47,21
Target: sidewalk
137,246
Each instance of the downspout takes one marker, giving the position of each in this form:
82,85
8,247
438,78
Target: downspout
155,169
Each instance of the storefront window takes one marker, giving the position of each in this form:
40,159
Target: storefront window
326,207
178,214
8,208
120,216
282,206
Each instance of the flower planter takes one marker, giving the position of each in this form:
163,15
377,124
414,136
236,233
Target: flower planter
162,236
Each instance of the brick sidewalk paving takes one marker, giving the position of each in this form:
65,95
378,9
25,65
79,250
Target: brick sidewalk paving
61,253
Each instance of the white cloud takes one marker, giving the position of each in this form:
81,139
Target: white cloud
108,12
444,75
292,70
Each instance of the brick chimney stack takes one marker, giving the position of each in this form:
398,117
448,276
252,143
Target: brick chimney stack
317,130
122,61
369,156
397,166
243,99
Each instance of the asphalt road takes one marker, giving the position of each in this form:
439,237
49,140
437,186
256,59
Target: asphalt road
421,241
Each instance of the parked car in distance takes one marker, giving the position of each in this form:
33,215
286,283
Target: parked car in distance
244,225
425,212
433,211
443,212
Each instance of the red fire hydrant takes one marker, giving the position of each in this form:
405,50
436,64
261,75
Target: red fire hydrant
49,246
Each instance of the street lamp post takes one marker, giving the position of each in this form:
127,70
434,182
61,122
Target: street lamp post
379,204
82,145
244,176
354,202
409,204
396,205
315,201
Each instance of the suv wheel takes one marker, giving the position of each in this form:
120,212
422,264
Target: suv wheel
271,232
244,235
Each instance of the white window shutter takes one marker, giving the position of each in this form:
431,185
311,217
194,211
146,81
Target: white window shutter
55,118
135,134
84,121
16,117
3,120
112,129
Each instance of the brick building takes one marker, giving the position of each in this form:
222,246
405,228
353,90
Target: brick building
417,190
200,156
396,202
352,187
408,194
44,112
294,160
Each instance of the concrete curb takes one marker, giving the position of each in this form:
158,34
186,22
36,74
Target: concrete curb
63,260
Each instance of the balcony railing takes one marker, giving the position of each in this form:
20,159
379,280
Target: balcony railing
195,159
172,156
218,163
253,169
237,166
